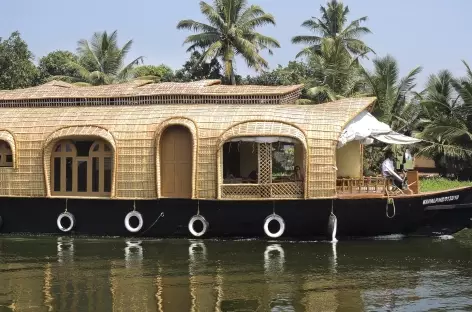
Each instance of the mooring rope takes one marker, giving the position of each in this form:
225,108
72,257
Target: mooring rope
386,207
154,223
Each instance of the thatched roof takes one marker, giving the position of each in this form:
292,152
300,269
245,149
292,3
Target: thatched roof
203,91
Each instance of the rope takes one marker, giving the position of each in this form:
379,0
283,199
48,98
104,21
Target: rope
198,207
332,207
273,207
161,215
66,204
134,205
386,207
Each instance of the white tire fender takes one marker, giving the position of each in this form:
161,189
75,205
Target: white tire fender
69,216
202,220
280,220
128,226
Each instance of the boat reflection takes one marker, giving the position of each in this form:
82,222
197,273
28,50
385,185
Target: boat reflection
117,275
274,259
133,253
65,250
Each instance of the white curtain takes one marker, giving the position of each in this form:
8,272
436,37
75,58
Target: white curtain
262,139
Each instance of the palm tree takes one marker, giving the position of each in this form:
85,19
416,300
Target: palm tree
230,32
395,97
101,61
446,120
335,74
332,24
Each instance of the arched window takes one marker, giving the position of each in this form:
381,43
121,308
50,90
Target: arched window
6,157
81,168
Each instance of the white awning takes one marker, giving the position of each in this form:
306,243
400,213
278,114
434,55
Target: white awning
395,138
365,126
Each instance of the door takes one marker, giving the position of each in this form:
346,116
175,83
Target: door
176,162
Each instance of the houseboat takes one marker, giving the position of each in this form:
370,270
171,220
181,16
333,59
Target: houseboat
202,159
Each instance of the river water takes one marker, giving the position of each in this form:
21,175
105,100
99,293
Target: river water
118,274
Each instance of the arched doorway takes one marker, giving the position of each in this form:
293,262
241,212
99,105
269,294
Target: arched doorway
176,162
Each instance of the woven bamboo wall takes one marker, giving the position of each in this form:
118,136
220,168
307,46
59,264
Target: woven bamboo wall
133,132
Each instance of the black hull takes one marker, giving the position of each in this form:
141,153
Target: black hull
303,218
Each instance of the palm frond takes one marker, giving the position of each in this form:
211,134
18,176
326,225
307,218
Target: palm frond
196,26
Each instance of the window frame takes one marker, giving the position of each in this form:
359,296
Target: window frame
63,154
4,153
265,187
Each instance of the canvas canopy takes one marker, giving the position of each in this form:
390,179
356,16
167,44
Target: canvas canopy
365,127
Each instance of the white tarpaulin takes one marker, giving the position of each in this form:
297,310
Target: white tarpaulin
396,138
364,127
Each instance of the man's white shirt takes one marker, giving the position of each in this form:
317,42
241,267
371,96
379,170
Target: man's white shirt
387,167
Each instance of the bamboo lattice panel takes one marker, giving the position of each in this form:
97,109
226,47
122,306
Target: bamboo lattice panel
287,190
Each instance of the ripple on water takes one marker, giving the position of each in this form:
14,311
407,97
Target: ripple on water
102,274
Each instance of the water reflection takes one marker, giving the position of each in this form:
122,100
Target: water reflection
334,257
133,253
180,275
274,259
65,249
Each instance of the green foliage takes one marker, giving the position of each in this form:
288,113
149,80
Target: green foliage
16,64
336,74
231,31
333,25
194,69
441,184
446,121
294,73
395,105
159,73
58,63
101,61
373,157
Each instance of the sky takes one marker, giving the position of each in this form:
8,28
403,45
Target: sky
433,34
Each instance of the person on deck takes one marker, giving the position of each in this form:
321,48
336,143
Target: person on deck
298,175
388,170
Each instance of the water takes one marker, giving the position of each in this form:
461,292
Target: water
116,274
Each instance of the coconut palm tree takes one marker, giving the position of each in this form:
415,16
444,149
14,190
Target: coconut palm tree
230,31
101,61
333,25
335,74
395,97
446,120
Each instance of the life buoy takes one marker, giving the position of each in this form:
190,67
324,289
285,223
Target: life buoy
204,223
128,226
274,217
66,215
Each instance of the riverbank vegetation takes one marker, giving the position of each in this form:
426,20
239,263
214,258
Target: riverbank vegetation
331,47
441,184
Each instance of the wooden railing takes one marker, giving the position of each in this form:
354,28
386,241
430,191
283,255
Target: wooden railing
361,185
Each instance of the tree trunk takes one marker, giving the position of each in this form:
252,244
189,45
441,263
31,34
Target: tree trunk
229,72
